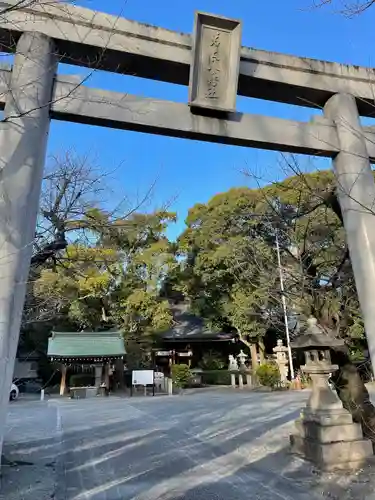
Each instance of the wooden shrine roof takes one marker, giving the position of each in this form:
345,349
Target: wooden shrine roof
189,327
83,345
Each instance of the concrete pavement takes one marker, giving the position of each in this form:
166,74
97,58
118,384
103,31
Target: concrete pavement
32,442
218,445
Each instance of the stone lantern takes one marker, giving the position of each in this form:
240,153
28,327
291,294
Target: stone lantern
326,433
242,359
281,358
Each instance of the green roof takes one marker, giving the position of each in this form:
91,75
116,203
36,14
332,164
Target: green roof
86,344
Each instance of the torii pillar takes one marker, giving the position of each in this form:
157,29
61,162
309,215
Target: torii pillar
23,141
356,194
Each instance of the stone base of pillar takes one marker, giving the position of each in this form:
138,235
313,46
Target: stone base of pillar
240,381
233,380
331,441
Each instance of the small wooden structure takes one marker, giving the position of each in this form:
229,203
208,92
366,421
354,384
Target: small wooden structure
90,350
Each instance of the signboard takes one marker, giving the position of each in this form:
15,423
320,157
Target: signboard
187,354
215,63
163,353
142,377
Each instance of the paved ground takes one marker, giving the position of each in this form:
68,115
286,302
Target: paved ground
211,445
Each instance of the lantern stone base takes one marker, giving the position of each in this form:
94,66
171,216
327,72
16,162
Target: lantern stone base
326,434
331,443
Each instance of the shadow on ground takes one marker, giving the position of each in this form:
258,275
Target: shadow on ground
205,446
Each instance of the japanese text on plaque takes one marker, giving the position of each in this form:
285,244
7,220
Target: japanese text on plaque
213,67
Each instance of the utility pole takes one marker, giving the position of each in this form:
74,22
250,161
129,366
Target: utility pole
284,307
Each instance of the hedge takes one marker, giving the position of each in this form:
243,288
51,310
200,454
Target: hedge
215,377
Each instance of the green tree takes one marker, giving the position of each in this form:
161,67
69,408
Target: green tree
228,271
72,187
319,277
115,280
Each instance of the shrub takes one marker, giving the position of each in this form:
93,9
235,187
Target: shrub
181,375
305,379
212,360
268,375
81,380
356,355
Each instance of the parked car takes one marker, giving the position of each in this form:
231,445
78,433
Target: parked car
14,392
29,385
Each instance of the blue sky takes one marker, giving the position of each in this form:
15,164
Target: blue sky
187,172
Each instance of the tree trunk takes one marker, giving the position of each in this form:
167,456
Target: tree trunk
354,396
252,346
254,357
119,374
261,351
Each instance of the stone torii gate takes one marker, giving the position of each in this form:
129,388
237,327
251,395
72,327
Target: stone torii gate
216,69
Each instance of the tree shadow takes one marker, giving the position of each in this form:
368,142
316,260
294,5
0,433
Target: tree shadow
165,458
280,475
177,450
158,462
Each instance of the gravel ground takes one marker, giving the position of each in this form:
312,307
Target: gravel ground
209,445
